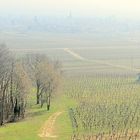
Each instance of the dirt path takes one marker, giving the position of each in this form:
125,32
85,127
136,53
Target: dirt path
48,128
77,56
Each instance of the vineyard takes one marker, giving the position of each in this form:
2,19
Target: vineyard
108,107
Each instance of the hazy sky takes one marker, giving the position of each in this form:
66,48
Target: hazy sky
127,8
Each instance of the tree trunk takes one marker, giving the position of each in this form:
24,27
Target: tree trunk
42,101
2,104
37,99
48,103
1,117
37,95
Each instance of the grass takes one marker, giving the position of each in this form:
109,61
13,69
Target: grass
63,127
28,128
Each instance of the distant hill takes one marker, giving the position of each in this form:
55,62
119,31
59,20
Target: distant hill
110,25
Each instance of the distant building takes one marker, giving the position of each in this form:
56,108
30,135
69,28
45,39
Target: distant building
138,77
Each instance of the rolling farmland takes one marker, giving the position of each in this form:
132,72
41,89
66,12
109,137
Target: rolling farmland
100,92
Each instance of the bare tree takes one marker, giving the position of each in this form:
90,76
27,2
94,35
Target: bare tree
13,87
5,71
49,79
31,63
46,76
21,83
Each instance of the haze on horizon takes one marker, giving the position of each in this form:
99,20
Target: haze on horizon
87,8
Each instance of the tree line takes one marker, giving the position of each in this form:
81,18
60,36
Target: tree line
18,76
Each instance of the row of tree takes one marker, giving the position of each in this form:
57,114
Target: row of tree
19,76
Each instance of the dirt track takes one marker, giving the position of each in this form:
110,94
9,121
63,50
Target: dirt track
48,128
